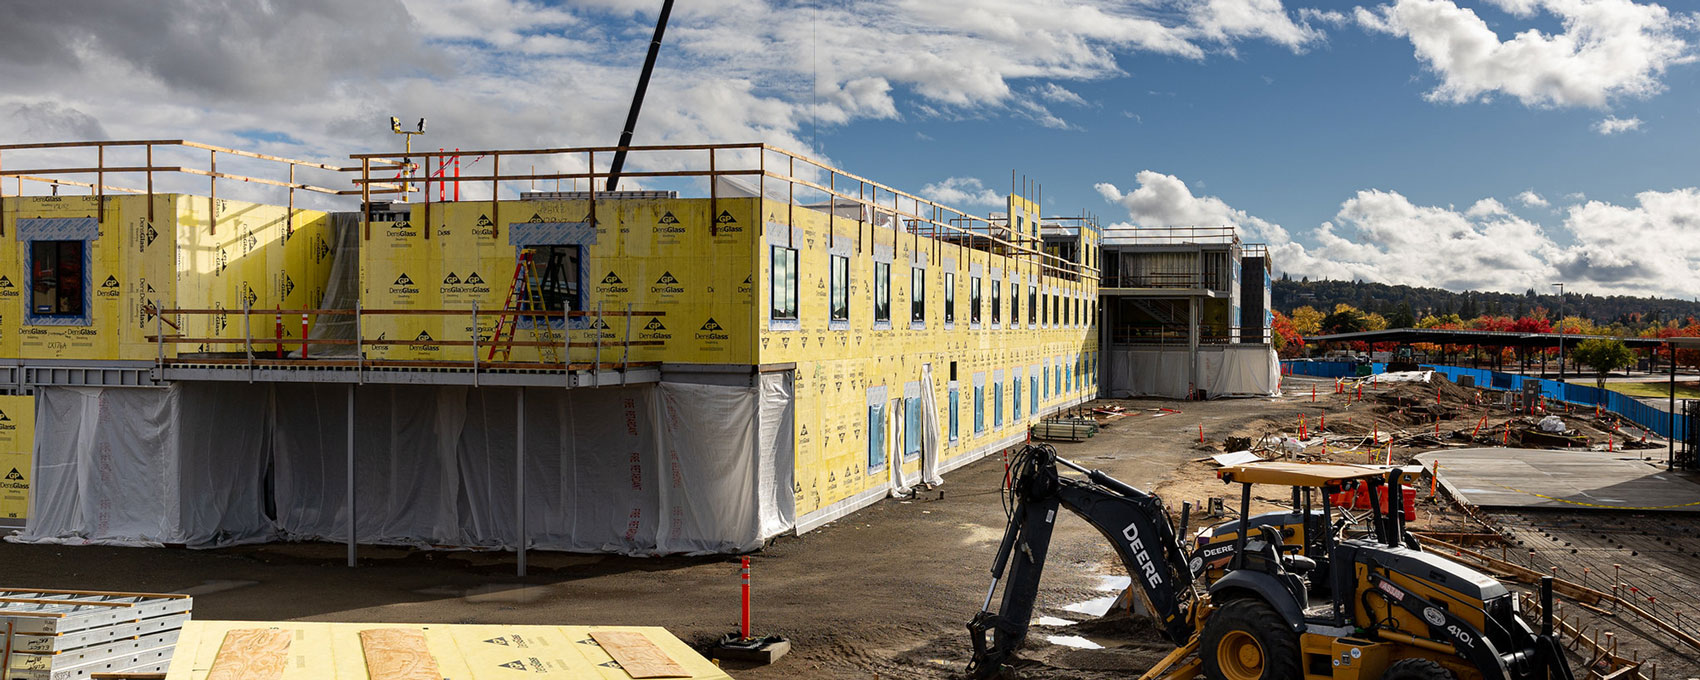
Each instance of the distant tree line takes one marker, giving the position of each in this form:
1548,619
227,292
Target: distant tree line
1403,306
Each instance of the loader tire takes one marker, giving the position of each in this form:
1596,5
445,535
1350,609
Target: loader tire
1416,669
1247,640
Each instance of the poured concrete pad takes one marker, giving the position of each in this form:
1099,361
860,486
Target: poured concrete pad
1573,480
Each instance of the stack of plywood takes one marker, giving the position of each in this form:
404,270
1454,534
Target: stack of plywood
72,634
288,650
1065,429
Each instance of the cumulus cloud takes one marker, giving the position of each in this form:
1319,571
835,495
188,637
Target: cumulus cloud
1613,125
319,78
1486,207
962,191
1531,199
1382,236
1607,49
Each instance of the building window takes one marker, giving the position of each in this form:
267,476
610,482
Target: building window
1033,394
1044,311
840,288
876,437
555,275
1014,304
1015,399
1056,309
911,428
979,409
955,401
784,292
56,278
997,404
950,297
917,295
882,292
997,301
974,300
1032,305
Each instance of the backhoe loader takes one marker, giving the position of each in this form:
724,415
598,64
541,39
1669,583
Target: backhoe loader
1391,611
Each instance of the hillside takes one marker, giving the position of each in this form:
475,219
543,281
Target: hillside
1390,301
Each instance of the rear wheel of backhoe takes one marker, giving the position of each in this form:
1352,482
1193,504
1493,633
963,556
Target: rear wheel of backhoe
1247,640
1417,669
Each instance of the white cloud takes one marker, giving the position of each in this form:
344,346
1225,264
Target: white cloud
1381,236
322,76
1486,207
1608,49
962,191
1613,125
1531,199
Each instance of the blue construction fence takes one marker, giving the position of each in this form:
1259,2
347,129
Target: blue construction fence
1652,418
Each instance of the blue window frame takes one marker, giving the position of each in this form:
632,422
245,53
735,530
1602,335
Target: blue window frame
979,409
1033,394
997,404
1047,382
911,428
876,437
955,400
1015,400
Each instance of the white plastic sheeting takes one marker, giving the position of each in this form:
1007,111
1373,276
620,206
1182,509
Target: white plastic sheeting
148,466
653,469
1223,371
931,438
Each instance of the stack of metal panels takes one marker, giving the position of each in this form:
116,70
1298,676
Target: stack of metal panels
72,634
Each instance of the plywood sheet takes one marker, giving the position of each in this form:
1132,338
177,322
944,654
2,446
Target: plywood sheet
336,651
251,654
637,655
398,654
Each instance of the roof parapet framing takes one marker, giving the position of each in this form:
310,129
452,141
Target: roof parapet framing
920,217
57,176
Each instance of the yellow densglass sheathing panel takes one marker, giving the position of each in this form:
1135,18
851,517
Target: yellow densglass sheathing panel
836,367
17,443
658,255
255,253
332,651
128,262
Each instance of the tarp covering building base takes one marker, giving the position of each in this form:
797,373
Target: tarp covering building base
1222,371
650,469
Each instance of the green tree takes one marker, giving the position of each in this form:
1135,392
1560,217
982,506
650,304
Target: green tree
1403,317
1345,319
1604,355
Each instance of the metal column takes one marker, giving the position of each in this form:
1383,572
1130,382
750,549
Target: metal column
519,476
1670,458
1193,310
348,502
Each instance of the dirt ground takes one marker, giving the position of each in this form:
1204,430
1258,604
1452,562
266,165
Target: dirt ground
885,592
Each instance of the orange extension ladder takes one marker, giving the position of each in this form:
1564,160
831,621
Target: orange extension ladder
525,298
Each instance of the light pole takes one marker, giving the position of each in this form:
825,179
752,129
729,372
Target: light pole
1560,287
395,126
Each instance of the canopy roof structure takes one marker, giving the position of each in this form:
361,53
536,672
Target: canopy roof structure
1440,336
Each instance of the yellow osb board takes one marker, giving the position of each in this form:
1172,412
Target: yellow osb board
656,254
324,651
17,439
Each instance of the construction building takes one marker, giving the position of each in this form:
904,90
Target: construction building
610,371
1186,314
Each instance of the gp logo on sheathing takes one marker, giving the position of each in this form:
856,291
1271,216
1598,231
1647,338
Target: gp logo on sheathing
711,330
612,284
14,476
654,330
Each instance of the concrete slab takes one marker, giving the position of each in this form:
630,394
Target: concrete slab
1570,480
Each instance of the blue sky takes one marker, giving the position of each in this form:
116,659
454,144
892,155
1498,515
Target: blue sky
1461,143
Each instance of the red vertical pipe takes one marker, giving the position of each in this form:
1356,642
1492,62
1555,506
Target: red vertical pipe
744,623
304,331
279,345
457,174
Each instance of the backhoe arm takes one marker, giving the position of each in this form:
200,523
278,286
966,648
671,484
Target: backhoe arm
1133,521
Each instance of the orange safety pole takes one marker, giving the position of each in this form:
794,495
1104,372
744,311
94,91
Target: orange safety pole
1313,393
1201,433
1507,441
457,174
1433,479
1478,429
1437,427
1322,422
1302,433
744,622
